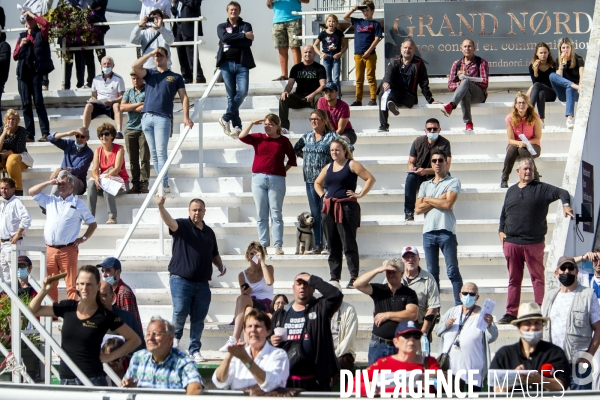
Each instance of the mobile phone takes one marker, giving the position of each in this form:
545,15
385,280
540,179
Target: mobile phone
245,286
255,259
362,8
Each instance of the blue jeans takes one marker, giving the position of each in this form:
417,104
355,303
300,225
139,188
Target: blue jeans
315,204
157,129
193,299
236,78
332,68
268,192
411,188
96,381
444,240
564,92
378,350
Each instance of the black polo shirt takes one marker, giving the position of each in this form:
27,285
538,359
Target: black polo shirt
511,356
385,301
421,150
193,251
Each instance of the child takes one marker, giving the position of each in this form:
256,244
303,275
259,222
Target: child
334,45
367,34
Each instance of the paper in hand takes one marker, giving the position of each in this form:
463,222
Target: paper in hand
487,308
471,78
110,186
384,97
527,144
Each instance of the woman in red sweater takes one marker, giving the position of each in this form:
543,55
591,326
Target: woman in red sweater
268,176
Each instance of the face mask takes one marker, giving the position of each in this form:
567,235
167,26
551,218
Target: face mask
106,71
109,279
566,279
532,337
22,273
433,136
79,146
467,300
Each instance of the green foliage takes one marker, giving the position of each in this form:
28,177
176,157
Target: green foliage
6,323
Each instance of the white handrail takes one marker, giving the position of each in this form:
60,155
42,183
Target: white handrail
377,10
158,182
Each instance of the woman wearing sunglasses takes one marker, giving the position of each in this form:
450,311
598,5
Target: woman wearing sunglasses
108,165
467,346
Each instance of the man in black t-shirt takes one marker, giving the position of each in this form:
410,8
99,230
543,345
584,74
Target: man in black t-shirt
311,78
393,302
194,251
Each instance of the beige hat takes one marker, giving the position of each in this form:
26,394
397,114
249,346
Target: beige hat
529,311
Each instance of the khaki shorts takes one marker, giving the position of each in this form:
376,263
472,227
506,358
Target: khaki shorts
283,34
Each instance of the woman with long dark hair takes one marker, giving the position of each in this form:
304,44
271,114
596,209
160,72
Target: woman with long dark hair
567,78
85,322
542,65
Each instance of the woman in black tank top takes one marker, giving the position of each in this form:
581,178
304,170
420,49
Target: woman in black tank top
341,212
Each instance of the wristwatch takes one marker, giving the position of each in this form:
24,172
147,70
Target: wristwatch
83,238
566,205
248,364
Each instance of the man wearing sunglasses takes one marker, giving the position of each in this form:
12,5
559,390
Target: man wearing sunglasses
522,232
419,163
574,324
77,157
436,200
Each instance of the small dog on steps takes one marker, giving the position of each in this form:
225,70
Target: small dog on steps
305,238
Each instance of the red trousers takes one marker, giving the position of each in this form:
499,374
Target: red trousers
516,256
63,260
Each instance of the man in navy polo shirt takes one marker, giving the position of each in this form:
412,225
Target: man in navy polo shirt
162,85
194,251
77,157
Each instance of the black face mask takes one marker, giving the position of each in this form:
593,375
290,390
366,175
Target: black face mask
566,279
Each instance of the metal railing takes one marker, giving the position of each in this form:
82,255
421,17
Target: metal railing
196,116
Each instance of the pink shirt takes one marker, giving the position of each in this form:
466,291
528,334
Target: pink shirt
109,162
522,127
341,110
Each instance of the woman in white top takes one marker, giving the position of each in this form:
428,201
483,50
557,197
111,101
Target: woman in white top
257,363
472,350
256,287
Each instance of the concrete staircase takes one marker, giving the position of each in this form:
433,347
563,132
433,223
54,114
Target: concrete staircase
477,161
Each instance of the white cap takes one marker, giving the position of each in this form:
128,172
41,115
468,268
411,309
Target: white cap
410,249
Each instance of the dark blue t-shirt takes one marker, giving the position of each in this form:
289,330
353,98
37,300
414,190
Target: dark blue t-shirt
365,32
331,43
161,88
193,251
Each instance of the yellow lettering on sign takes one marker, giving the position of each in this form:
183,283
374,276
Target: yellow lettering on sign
470,27
536,28
563,23
411,29
482,19
516,21
427,25
447,25
577,27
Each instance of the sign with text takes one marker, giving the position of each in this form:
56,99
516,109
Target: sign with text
505,32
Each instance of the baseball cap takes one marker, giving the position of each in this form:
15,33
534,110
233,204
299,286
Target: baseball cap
110,262
410,249
24,260
566,260
331,86
406,327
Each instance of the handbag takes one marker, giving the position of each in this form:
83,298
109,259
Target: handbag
444,358
26,159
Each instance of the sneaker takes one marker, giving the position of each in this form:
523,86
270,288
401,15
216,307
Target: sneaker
230,342
372,102
44,88
279,251
469,128
507,319
285,131
316,250
87,86
44,138
447,109
351,283
336,283
384,128
29,140
198,357
409,217
393,108
503,184
144,187
325,252
225,125
175,343
119,135
543,124
356,104
570,124
166,190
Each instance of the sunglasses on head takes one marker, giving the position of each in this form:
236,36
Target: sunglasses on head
104,134
469,294
437,160
570,268
412,335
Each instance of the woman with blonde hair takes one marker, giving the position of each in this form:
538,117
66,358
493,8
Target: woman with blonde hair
542,65
522,120
269,170
14,156
313,147
567,78
256,288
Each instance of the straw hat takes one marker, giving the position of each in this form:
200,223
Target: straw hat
529,311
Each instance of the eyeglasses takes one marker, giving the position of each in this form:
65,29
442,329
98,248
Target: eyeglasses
314,119
104,134
564,268
155,334
412,335
432,129
437,160
521,103
469,294
81,136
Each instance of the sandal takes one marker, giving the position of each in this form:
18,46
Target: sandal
111,221
281,78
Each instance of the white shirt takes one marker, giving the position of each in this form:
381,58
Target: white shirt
14,216
63,218
272,360
108,88
559,315
142,37
149,5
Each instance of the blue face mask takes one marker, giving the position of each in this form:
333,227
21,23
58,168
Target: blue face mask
467,300
22,273
433,136
79,146
109,279
106,71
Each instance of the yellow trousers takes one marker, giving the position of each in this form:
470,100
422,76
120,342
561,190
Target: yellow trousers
15,166
369,64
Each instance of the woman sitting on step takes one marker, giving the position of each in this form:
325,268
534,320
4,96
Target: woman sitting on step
14,156
256,287
522,120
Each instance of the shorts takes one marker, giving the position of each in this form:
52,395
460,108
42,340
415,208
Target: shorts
261,304
283,34
101,109
350,134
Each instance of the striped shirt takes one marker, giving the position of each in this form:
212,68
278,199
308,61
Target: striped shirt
177,371
315,154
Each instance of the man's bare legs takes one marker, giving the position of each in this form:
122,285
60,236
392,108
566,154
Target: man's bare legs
283,58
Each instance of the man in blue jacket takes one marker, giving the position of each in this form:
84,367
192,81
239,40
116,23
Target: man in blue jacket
235,60
77,157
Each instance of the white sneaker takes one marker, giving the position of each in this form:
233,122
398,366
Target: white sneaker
325,252
230,342
235,132
198,357
570,124
285,131
166,190
225,126
175,343
279,251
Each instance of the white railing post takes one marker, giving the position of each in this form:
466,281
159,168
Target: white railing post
15,315
63,49
200,139
195,63
48,326
303,29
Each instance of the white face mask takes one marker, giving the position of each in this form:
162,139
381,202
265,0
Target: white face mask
532,337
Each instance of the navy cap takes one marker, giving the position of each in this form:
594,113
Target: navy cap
407,326
331,86
110,262
24,260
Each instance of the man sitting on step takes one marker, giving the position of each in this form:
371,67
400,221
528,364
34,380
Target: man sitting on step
77,157
338,112
401,77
